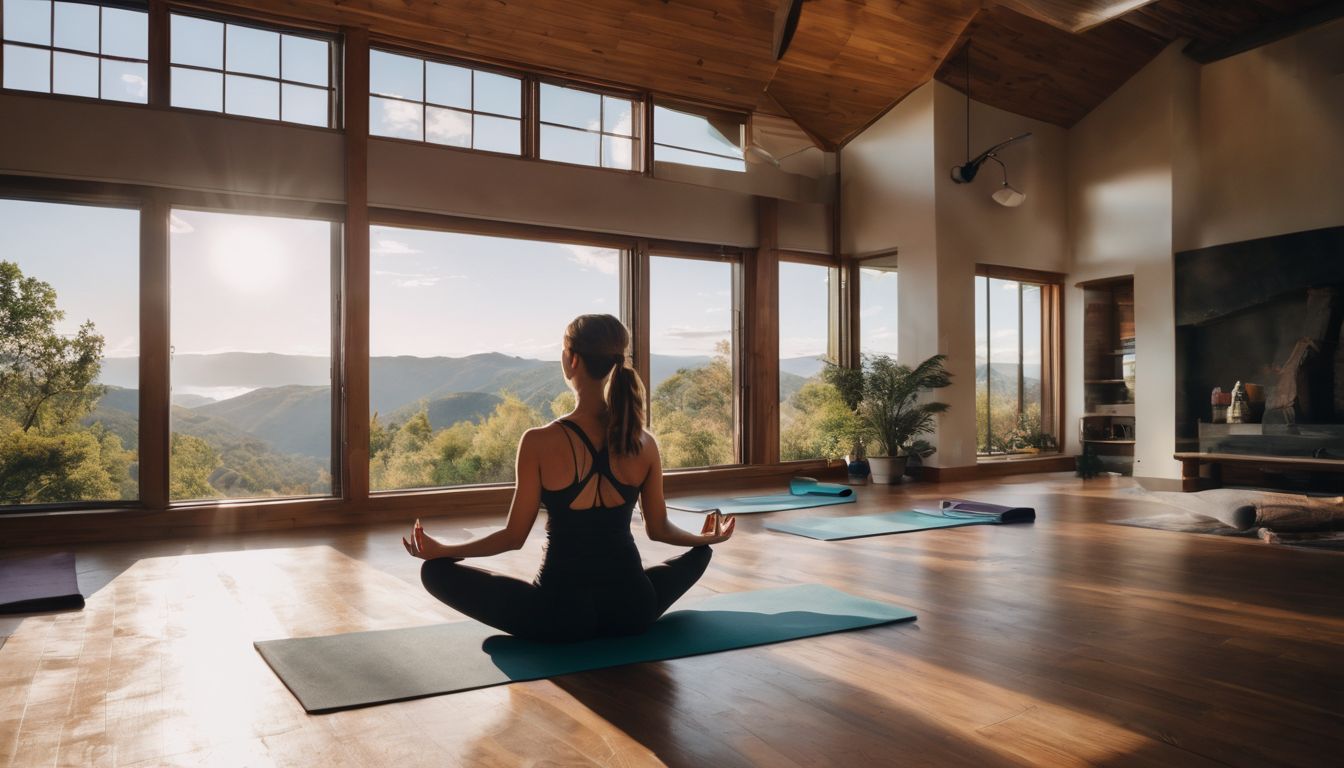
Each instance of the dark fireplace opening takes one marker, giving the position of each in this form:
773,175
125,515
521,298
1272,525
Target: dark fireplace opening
1267,313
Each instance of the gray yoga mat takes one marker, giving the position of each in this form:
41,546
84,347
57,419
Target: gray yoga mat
46,583
362,668
858,526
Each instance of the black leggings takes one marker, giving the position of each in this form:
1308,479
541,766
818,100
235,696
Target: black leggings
563,614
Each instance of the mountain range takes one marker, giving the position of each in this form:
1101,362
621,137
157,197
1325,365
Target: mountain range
289,405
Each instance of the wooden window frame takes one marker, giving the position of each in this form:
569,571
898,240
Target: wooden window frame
698,110
161,19
52,49
638,105
1052,344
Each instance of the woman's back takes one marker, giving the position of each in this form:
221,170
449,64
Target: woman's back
588,538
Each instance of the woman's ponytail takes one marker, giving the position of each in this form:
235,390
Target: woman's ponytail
625,409
600,341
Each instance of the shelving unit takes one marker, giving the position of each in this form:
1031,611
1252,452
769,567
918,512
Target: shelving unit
1109,359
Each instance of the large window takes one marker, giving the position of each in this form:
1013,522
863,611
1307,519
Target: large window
76,49
251,71
465,334
411,98
877,314
692,361
588,128
69,347
810,410
681,136
1013,388
251,356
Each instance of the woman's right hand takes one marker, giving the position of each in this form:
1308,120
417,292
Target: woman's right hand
717,528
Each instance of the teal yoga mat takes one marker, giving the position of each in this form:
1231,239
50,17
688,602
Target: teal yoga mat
363,668
858,526
804,493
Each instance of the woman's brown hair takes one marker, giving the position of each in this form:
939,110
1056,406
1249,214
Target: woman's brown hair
600,342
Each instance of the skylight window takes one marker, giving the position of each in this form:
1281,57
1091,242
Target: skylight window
77,49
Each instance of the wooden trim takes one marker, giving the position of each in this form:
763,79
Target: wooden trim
949,474
761,299
155,325
159,54
229,13
1005,467
1053,347
442,222
354,384
635,314
806,257
208,519
1019,274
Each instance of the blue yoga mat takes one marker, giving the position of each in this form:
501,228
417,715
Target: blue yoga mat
804,493
858,526
363,668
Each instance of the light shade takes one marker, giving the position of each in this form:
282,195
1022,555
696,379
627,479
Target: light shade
1009,197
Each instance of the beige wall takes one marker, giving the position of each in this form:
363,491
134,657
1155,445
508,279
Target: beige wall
1183,157
89,140
51,137
897,194
1271,140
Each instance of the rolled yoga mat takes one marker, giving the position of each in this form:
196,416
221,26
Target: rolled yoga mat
363,668
34,584
858,526
804,493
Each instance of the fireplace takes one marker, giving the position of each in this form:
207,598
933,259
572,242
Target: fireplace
1266,313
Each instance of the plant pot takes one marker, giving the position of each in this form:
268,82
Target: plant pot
858,470
887,469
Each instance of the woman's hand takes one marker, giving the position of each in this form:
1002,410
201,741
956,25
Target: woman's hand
717,528
422,545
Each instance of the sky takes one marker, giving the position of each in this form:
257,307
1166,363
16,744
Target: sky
877,318
1001,340
691,305
804,309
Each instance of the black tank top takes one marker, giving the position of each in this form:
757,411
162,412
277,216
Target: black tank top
588,546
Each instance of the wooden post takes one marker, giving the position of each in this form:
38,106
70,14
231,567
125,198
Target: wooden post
635,313
761,301
355,275
159,53
155,316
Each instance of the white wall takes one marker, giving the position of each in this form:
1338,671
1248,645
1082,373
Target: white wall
897,194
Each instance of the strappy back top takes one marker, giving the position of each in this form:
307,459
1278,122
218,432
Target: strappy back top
588,521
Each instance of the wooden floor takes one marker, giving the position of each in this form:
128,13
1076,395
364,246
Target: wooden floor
1068,642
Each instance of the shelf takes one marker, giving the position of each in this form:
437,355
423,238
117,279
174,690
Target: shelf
1108,442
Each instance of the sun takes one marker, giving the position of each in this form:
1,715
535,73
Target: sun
248,259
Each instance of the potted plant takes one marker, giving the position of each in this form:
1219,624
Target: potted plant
885,395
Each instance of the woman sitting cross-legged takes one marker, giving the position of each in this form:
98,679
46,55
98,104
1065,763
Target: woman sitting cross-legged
589,469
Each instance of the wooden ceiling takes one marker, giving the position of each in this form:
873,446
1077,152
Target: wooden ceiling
849,61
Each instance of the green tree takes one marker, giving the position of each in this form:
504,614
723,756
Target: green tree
692,414
47,389
191,461
816,423
563,404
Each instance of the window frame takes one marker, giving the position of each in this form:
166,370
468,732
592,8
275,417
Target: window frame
335,87
1051,285
638,104
52,49
733,257
836,331
395,48
697,110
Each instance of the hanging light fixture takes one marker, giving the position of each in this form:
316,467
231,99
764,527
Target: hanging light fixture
1006,195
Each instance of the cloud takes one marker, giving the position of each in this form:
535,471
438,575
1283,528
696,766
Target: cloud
604,260
179,226
136,85
448,127
872,311
687,333
393,248
416,279
400,118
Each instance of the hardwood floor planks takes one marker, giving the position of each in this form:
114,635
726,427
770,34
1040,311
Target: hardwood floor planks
1067,642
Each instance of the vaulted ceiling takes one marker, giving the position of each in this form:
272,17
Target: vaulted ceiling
849,60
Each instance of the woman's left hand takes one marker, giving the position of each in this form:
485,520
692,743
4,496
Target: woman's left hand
422,545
